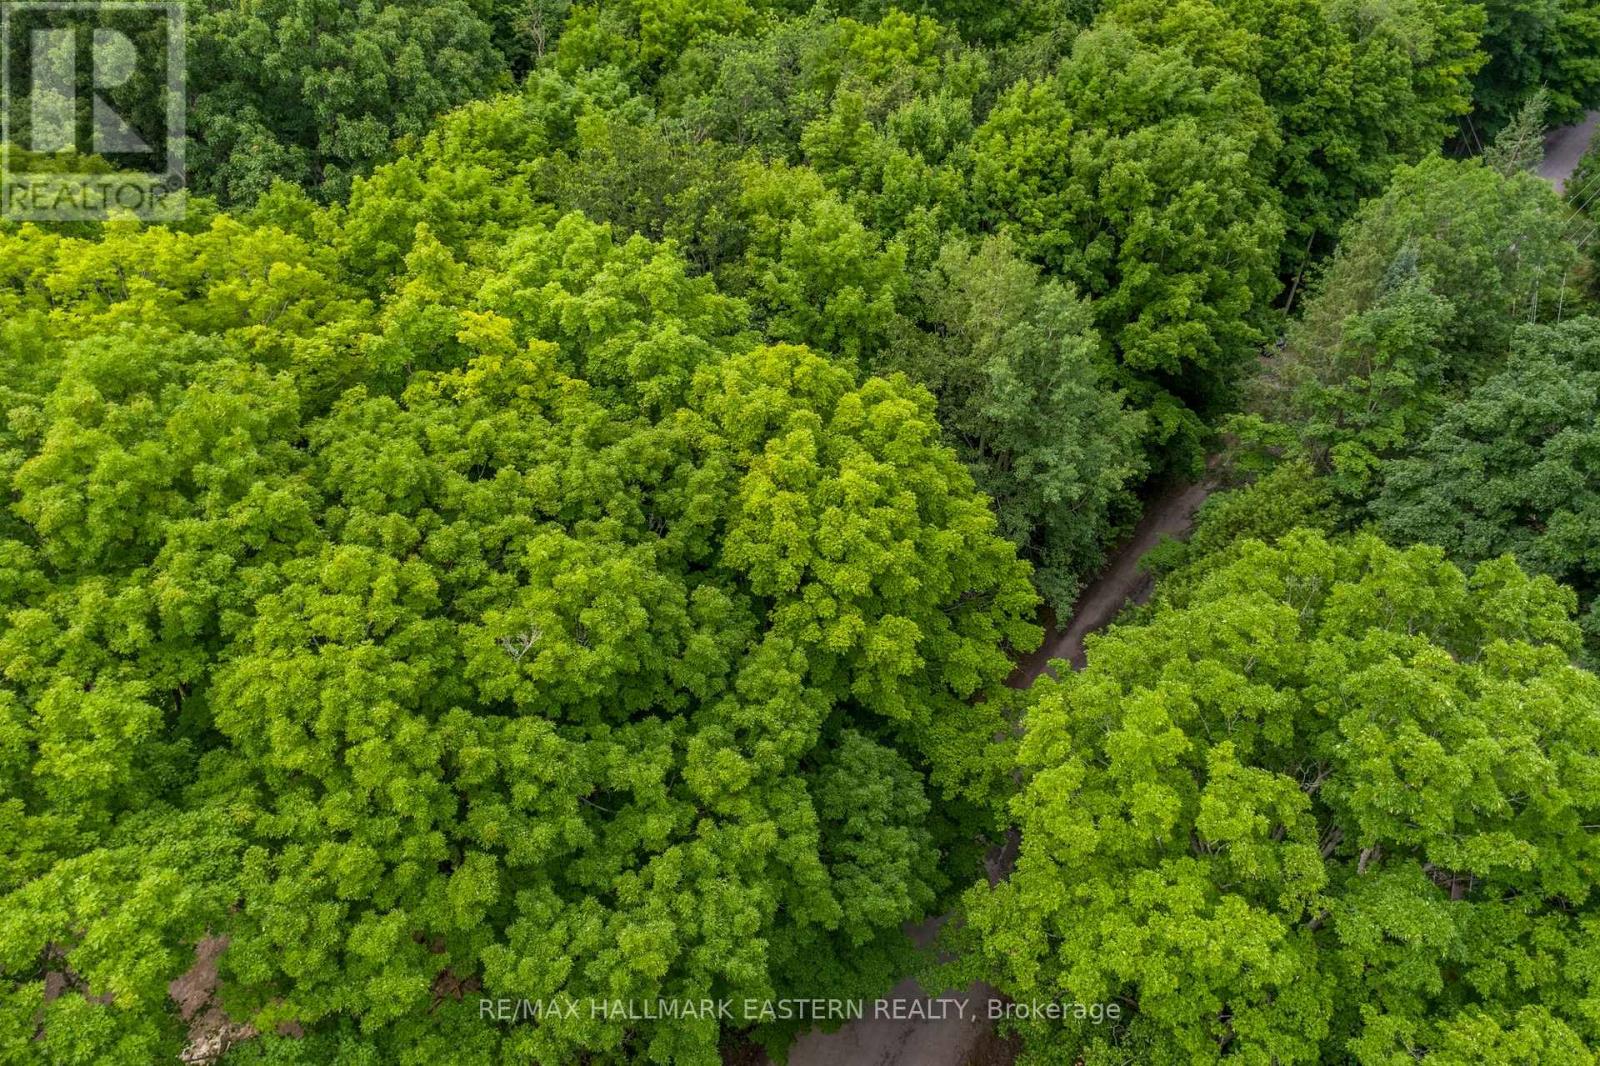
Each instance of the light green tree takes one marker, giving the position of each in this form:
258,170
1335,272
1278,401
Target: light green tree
533,631
1330,803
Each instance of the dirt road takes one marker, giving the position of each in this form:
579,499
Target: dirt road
1564,148
917,1030
954,1029
1120,583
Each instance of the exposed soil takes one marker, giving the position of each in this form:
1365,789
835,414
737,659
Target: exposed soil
211,1031
956,1027
1122,582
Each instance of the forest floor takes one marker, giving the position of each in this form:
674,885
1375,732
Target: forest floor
1121,582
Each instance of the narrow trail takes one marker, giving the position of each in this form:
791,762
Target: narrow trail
1120,583
954,1029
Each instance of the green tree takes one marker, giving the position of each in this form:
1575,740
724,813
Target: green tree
759,91
1534,45
1520,144
315,92
985,20
1138,173
1330,803
1581,190
1419,303
653,180
1356,91
814,273
1584,181
645,38
530,629
1018,369
1514,467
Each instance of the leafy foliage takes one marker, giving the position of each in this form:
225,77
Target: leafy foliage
1358,91
315,93
1419,303
571,548
1138,173
534,610
1581,190
1018,369
1511,469
1548,45
1328,804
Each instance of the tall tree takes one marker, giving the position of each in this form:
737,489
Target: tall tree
316,92
1419,303
1534,45
534,630
1514,467
1019,371
1331,803
1356,90
1139,173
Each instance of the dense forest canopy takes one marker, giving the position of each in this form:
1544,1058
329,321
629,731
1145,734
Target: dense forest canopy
556,517
1329,797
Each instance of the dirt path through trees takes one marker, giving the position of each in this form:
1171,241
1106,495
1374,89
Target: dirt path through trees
964,1036
955,1030
1120,583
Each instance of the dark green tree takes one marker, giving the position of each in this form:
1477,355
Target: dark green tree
1419,304
315,92
1020,373
1139,173
1514,467
1534,45
1356,90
